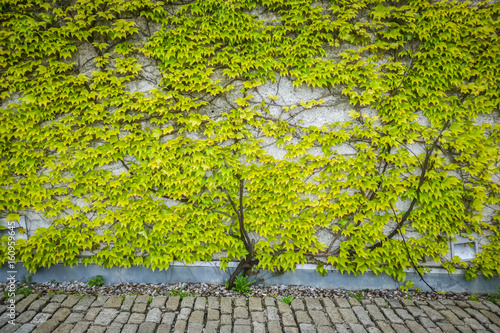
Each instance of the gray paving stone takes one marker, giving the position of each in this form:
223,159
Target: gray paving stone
47,327
302,317
213,302
196,328
451,317
426,322
474,324
391,315
180,326
478,316
143,299
74,318
286,330
431,313
494,328
168,318
25,303
187,302
491,316
288,320
213,315
84,304
342,328
184,314
3,308
363,316
154,316
403,314
254,304
446,327
459,312
283,307
348,316
224,329
242,322
18,298
113,302
158,302
105,317
272,313
64,328
400,328
147,327
415,327
200,303
353,302
374,312
261,327
37,305
385,327
172,303
226,319
380,302
92,314
100,301
114,329
96,329
240,312
341,302
139,307
163,328
136,318
415,312
25,317
407,302
477,305
9,328
464,329
269,301
313,304
26,328
332,311
447,302
258,316
40,318
128,303
492,306
274,326
70,301
319,318
197,317
462,304
297,304
122,318
307,328
81,327
51,307
240,301
213,327
61,314
226,305
58,298
436,305
373,329
357,328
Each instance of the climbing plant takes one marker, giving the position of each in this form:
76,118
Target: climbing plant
141,131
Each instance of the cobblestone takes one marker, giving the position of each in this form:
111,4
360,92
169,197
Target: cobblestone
161,314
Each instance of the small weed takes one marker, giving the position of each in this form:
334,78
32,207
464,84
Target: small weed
287,299
60,291
386,304
181,293
494,297
25,291
473,298
241,284
96,281
408,296
150,300
358,297
51,294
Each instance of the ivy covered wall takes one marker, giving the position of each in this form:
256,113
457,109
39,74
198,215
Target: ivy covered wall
363,134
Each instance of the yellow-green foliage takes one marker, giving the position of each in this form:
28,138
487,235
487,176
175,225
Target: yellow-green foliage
198,183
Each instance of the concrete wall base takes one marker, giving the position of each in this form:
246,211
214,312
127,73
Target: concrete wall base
209,272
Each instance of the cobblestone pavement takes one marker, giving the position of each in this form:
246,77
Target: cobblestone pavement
144,314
